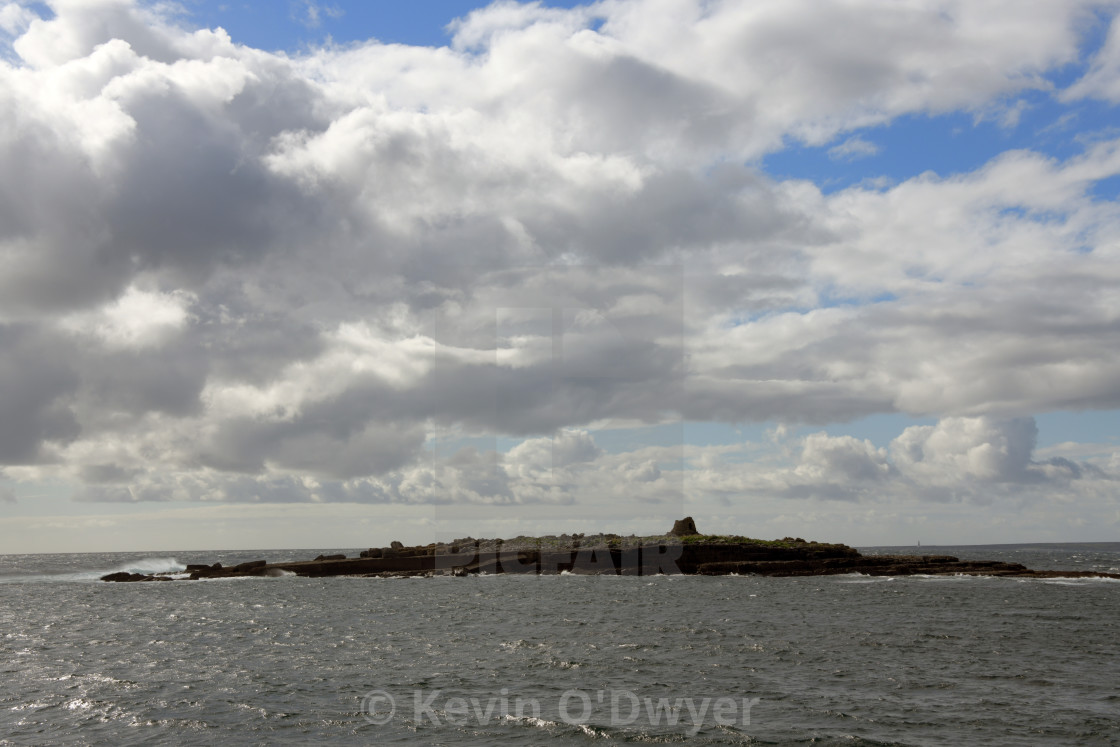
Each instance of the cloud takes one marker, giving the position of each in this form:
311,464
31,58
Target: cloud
136,319
960,449
312,13
79,27
14,18
842,458
37,382
853,149
1102,80
569,448
980,461
974,461
234,275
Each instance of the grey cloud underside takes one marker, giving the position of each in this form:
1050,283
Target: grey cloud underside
36,380
234,275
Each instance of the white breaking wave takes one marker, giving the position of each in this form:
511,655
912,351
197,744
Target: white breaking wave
146,566
151,565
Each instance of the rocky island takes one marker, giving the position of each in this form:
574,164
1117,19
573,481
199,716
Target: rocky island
682,551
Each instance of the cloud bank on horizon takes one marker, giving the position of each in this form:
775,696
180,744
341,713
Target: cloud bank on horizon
238,275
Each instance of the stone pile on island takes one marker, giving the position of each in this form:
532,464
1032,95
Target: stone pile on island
682,551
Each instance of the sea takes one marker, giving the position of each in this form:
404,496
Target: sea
573,660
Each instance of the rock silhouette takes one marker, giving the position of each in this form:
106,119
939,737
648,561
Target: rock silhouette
687,552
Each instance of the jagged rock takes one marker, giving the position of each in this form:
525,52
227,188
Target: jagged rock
339,556
683,527
251,565
396,545
126,576
707,555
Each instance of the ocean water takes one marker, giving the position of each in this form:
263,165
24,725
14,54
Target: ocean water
519,660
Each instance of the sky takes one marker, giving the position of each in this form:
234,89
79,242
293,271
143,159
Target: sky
326,275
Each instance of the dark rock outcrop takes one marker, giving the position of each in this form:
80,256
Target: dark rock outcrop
683,527
684,552
249,566
126,576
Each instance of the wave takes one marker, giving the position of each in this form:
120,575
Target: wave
1076,580
146,566
1059,580
152,565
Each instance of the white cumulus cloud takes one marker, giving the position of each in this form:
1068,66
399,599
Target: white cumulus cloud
235,275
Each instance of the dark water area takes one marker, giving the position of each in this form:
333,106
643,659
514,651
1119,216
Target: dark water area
840,660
